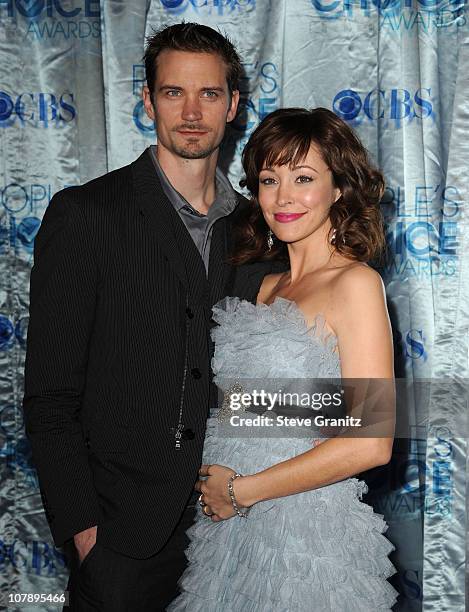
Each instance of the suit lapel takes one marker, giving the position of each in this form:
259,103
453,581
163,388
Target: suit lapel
158,212
164,222
218,269
194,265
222,274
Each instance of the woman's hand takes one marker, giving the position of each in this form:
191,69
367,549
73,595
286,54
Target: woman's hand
214,490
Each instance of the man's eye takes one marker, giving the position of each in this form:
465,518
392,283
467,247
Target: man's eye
304,179
172,93
210,94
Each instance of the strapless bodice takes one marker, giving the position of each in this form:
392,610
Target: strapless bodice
270,342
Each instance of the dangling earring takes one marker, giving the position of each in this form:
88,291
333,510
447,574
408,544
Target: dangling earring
333,237
270,240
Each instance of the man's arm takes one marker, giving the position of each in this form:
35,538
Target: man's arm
63,292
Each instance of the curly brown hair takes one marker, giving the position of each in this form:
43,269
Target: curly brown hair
285,137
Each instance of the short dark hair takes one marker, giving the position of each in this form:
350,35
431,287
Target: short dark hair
195,38
285,137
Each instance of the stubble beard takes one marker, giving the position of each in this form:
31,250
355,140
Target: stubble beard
193,153
192,148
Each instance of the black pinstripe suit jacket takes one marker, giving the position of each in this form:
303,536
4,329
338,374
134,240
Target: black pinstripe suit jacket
119,301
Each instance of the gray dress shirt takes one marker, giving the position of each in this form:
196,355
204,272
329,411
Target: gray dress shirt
198,225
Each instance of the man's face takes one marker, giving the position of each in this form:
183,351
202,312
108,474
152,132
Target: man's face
192,103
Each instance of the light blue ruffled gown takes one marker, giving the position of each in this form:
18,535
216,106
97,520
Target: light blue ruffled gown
321,550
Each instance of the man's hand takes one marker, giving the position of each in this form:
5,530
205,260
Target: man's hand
84,541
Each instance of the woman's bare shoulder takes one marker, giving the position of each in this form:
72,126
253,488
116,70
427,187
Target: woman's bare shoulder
357,277
358,296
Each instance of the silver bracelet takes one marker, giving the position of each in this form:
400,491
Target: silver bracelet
233,498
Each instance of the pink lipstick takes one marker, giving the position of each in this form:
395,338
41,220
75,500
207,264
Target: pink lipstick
287,217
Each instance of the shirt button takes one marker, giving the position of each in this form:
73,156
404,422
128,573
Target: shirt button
196,373
87,443
189,313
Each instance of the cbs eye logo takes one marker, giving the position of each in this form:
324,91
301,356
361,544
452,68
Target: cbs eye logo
11,332
171,5
394,104
36,108
221,6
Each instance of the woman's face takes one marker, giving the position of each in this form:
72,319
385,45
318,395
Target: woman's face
295,201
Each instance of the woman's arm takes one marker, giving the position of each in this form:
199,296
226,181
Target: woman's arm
360,320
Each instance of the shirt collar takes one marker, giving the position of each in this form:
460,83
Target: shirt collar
225,196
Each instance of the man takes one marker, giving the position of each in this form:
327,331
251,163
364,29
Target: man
117,380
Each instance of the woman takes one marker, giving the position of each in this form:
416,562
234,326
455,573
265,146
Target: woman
307,541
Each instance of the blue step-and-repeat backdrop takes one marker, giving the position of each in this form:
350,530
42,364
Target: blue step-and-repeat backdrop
71,74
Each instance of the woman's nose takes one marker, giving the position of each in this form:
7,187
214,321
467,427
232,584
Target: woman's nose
284,197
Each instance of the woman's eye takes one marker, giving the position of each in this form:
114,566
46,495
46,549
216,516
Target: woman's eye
267,181
304,179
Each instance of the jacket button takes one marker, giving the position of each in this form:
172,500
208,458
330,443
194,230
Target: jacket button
189,313
87,443
196,373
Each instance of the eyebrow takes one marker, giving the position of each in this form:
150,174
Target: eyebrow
170,87
179,88
270,169
304,166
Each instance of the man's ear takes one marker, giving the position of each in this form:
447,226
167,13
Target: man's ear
147,103
233,106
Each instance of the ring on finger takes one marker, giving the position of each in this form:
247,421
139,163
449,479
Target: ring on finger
201,500
204,510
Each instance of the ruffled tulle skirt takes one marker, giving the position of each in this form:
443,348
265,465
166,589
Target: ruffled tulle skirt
320,550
